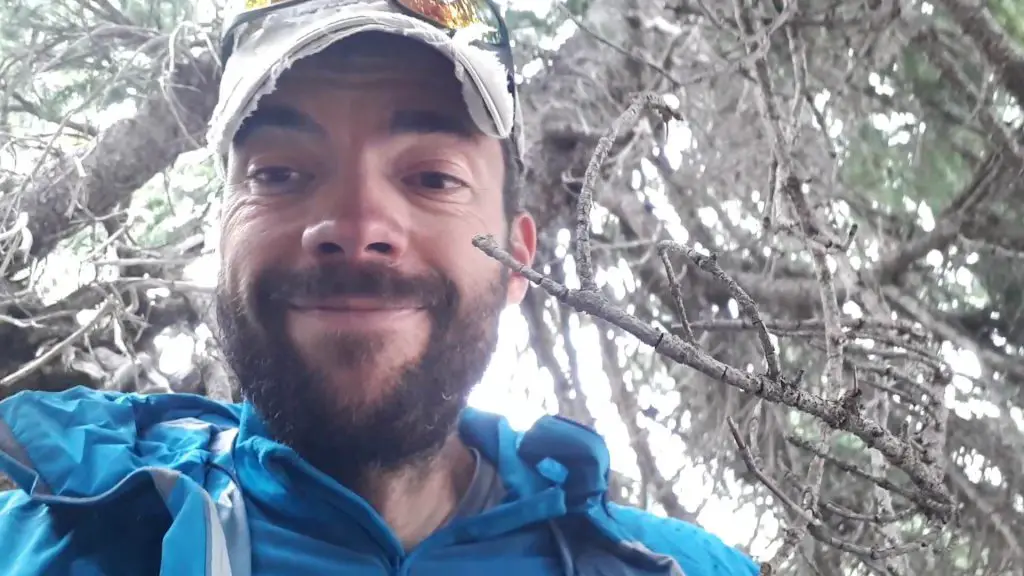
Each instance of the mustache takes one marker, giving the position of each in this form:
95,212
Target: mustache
371,280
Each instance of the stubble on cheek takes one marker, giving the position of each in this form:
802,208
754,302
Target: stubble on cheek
233,232
253,238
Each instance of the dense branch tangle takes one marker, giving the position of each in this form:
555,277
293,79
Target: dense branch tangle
928,491
869,361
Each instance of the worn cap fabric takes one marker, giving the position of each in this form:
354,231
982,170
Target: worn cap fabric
274,42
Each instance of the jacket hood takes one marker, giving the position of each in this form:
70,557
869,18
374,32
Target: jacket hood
82,442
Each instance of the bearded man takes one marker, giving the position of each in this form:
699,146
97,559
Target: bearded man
364,143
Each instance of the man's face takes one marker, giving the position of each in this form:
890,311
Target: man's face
354,308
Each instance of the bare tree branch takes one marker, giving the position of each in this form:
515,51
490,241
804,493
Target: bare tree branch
70,191
977,22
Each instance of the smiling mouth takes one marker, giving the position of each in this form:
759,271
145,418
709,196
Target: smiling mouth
353,305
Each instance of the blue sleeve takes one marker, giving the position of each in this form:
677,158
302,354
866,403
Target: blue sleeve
30,543
37,540
697,551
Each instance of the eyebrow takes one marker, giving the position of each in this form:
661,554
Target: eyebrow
429,122
284,117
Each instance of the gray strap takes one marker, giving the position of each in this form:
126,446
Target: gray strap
229,507
10,446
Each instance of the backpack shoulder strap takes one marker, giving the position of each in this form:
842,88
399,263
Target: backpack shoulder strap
226,491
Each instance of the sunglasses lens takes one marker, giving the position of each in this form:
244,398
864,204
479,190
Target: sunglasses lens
477,16
254,4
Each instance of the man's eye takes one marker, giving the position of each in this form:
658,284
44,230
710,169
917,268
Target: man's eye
275,178
434,181
273,175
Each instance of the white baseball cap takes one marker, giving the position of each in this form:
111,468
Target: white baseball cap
265,37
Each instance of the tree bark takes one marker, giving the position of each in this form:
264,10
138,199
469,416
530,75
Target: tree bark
72,191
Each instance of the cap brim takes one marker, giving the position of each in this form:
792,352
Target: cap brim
255,65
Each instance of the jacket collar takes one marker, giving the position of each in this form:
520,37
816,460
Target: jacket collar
557,461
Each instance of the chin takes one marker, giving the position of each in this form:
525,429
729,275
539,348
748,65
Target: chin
374,349
361,369
362,387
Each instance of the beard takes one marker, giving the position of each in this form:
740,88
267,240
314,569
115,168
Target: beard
407,415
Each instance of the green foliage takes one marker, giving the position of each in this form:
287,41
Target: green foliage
530,27
914,158
71,59
1010,15
519,19
161,15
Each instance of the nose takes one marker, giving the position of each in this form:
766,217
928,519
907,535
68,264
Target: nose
357,222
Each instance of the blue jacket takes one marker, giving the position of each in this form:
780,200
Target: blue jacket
177,484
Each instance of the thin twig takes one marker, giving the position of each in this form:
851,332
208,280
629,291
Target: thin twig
42,359
783,392
677,295
748,458
641,102
710,265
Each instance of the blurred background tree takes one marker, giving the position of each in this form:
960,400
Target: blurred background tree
886,170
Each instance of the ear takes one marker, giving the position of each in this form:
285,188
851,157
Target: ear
522,245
